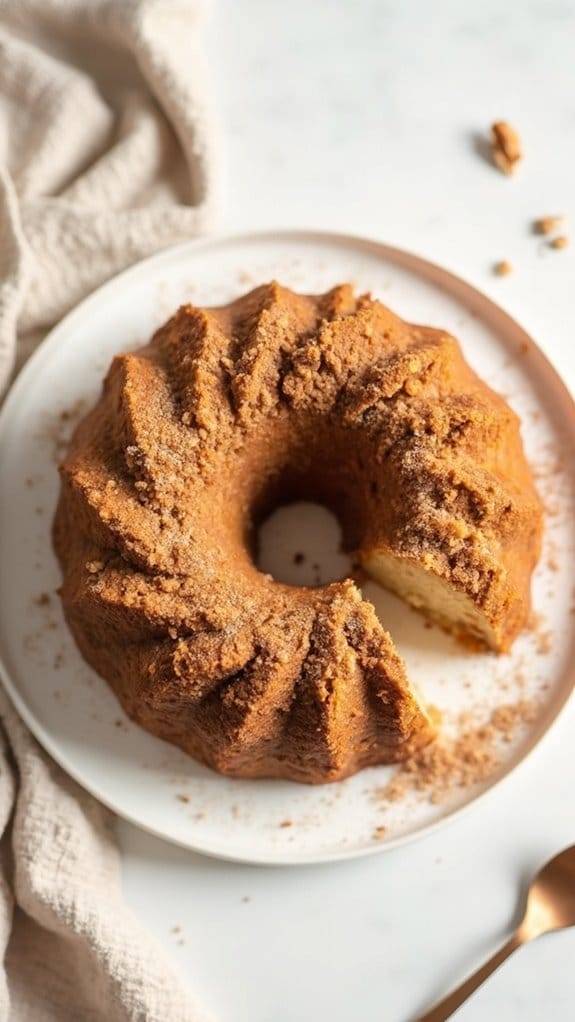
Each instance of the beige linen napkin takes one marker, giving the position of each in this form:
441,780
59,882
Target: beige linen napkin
106,155
73,951
106,149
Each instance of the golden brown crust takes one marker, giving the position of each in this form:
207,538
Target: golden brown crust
196,437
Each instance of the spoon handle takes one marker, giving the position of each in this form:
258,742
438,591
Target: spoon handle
445,1008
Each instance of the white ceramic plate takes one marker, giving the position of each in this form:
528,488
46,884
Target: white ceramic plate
74,714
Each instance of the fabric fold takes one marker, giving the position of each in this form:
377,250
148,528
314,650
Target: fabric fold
72,948
107,150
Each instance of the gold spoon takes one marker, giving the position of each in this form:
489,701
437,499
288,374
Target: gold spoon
550,906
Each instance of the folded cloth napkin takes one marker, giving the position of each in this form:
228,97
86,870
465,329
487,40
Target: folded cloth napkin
73,951
107,152
106,155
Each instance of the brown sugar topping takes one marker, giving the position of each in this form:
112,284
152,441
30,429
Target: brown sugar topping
94,566
505,146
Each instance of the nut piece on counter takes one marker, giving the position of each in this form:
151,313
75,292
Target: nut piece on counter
561,241
503,268
505,146
548,224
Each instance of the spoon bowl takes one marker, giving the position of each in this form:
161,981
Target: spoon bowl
551,898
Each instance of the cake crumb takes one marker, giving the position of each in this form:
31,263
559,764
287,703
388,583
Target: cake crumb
561,241
246,898
94,566
544,643
182,797
57,431
503,268
536,619
379,833
176,929
460,761
286,823
505,147
298,558
548,224
42,600
182,941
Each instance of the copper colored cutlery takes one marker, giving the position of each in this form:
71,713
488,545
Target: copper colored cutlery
550,906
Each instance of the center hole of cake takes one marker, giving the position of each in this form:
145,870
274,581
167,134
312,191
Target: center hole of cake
300,544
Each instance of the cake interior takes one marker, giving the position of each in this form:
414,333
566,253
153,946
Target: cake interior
431,595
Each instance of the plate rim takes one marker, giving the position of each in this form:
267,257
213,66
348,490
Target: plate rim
456,286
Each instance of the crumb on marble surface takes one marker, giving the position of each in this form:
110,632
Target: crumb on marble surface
548,224
505,147
503,268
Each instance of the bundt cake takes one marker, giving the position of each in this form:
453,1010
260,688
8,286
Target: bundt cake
230,412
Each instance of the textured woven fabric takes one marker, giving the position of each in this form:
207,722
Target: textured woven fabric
73,951
107,151
106,155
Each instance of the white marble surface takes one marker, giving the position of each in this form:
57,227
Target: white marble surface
363,117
